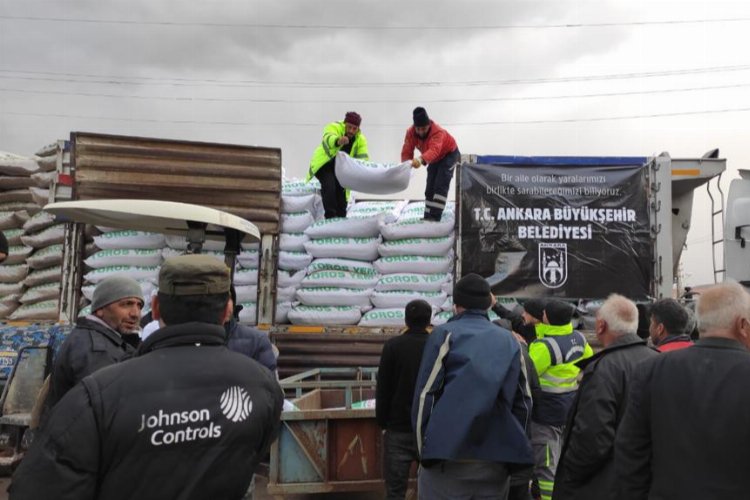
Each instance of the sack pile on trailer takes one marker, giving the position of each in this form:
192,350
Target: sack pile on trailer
30,276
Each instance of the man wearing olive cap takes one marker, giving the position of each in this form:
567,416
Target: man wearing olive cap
106,336
185,418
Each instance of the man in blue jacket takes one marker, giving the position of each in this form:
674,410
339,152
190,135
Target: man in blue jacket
471,403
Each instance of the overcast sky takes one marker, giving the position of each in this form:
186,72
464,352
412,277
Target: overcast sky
520,78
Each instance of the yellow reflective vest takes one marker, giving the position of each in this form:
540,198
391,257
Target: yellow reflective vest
555,353
328,148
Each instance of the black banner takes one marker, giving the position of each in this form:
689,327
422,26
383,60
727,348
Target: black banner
569,231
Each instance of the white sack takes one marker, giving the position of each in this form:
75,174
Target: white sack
441,318
341,227
388,210
339,279
413,281
414,264
13,236
11,164
417,228
45,310
324,315
293,242
40,196
289,278
332,264
370,177
37,277
177,242
297,187
399,298
248,314
46,257
13,274
417,246
249,259
245,276
129,239
44,179
246,293
329,296
9,182
415,210
299,203
125,257
351,248
11,289
384,317
46,163
17,254
296,222
53,235
286,294
11,219
47,291
282,312
294,261
22,195
138,273
39,221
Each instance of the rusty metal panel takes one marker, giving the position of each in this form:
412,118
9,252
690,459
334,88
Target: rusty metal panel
242,180
299,352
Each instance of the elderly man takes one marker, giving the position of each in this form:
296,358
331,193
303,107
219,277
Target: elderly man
685,432
586,469
669,325
471,403
185,418
106,336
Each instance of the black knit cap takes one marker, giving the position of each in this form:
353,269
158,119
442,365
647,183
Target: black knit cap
535,308
558,312
472,292
420,117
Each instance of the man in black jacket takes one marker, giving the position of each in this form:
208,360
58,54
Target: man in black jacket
397,375
586,469
105,337
184,419
685,433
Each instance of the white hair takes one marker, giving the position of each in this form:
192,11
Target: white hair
719,306
620,314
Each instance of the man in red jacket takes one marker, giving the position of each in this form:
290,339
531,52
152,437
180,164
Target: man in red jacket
438,150
670,325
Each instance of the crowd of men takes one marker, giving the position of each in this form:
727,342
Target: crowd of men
522,408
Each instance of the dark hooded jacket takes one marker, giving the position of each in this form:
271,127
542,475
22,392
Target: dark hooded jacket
185,419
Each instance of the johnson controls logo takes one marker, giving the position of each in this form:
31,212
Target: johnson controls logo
236,404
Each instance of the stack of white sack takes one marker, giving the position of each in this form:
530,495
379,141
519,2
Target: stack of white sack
301,206
136,254
40,300
416,262
245,273
341,279
16,207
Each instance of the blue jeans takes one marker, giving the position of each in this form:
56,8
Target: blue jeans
400,452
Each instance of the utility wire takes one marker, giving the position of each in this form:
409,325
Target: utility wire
348,27
386,125
187,82
372,101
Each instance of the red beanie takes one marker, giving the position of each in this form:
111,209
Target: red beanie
353,118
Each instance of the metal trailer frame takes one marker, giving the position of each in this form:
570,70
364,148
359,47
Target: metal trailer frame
325,449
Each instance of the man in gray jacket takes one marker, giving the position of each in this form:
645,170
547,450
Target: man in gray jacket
586,469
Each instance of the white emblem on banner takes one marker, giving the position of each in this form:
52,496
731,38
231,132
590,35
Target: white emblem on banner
553,264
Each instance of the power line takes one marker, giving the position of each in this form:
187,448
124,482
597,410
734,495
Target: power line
372,101
387,125
189,82
349,27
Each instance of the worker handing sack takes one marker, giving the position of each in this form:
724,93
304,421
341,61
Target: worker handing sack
372,178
